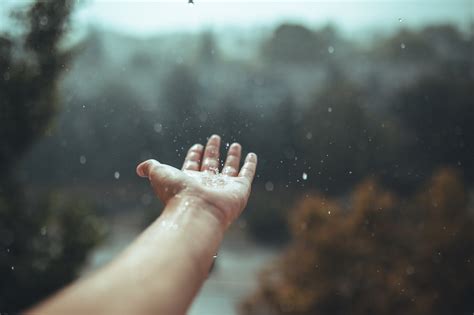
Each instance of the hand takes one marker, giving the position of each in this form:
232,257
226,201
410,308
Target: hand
225,193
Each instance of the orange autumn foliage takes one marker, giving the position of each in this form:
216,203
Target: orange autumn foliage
381,255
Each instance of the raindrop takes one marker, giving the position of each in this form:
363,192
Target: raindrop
402,45
13,267
400,20
227,145
214,256
158,127
410,270
309,136
350,172
329,211
330,109
269,186
331,49
44,21
117,175
304,176
82,159
44,230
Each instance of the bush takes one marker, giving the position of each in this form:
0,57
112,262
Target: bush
383,256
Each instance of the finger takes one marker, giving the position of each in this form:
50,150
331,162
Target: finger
192,162
232,162
250,165
144,168
160,175
210,160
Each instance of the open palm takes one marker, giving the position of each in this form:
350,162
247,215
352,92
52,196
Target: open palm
227,191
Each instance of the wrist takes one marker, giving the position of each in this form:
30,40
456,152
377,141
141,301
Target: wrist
199,222
198,207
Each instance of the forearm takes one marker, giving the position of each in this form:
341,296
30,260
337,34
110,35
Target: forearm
159,273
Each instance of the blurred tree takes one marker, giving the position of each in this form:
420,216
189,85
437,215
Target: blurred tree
180,93
281,46
384,256
180,96
208,52
431,44
41,246
437,111
342,137
230,120
293,43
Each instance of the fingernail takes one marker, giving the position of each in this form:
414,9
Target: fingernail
146,164
252,156
139,170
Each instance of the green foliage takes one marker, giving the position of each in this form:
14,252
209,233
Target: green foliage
43,247
383,255
311,46
430,44
27,93
208,52
343,135
437,111
181,92
42,244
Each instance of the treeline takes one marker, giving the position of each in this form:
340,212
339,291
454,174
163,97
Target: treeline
348,122
323,112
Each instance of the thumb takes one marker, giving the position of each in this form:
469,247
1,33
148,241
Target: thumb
144,168
159,174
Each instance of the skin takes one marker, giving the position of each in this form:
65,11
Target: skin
163,269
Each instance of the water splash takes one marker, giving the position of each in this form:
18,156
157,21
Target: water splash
214,180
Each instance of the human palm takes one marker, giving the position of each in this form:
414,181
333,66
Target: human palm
227,191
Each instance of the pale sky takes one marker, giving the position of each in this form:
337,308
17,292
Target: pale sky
151,16
147,17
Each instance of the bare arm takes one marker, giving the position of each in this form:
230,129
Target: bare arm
162,271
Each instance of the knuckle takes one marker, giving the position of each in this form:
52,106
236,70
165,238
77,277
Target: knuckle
194,155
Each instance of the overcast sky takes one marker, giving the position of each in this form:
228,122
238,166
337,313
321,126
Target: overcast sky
147,17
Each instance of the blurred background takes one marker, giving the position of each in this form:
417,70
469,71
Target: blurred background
361,113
